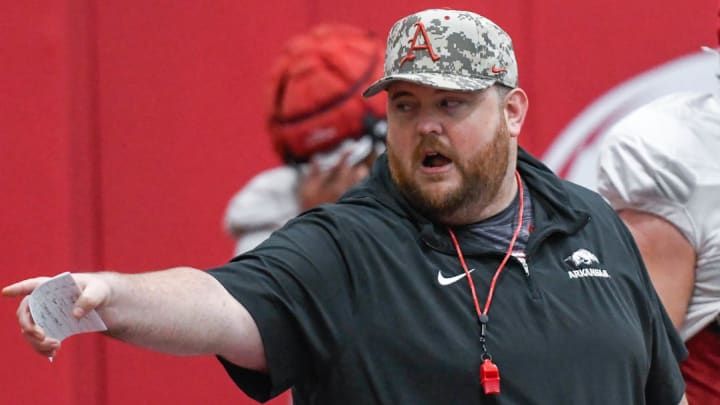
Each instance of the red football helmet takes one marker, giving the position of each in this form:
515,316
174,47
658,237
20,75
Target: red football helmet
315,100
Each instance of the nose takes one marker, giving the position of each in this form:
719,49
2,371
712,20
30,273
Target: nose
428,123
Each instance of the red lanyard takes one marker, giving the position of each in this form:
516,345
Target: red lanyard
489,374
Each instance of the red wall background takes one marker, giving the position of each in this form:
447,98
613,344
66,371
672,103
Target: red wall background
127,125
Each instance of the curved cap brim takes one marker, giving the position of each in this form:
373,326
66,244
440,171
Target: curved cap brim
435,80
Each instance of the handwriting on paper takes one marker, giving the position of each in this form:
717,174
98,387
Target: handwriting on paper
51,305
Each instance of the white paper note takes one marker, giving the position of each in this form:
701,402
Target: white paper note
51,305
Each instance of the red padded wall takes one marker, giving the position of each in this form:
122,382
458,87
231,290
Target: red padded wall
126,127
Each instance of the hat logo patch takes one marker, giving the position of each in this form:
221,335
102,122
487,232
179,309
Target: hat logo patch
426,46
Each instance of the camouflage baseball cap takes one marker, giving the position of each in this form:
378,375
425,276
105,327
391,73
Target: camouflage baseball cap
448,49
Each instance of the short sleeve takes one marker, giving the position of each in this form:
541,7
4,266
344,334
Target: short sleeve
295,286
267,200
266,203
640,168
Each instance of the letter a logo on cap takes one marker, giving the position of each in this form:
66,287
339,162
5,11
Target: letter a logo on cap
413,47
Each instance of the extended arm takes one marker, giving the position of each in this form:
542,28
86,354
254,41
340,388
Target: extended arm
669,258
181,311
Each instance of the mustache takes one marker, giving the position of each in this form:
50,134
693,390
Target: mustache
435,144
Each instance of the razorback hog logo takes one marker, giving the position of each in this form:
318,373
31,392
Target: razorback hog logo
585,264
582,258
415,47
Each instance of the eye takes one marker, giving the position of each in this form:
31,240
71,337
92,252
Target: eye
402,105
451,103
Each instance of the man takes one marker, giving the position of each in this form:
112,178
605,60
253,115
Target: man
659,169
461,271
327,134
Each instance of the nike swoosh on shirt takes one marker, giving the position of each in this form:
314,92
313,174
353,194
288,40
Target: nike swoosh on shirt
442,280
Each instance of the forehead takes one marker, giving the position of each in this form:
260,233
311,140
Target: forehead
403,88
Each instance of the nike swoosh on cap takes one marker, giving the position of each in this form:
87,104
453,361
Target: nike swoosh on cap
442,280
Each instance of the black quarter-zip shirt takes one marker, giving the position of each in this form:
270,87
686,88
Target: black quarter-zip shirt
365,302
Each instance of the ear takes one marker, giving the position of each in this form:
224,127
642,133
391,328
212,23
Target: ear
515,108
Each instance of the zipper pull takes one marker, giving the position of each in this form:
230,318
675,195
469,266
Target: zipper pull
521,258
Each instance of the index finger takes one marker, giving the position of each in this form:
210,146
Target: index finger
24,287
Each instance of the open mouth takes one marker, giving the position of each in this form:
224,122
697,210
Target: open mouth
435,159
